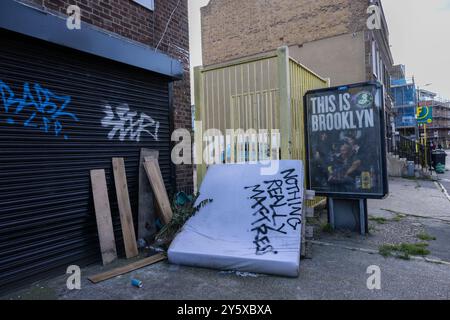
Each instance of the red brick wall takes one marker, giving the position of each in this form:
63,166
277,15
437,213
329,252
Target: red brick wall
176,44
233,28
131,20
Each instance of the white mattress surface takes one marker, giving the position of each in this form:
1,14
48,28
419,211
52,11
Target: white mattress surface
252,225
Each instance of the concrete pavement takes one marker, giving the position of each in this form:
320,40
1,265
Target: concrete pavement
421,198
337,270
333,273
420,207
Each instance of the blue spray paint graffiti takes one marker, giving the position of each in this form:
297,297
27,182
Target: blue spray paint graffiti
37,108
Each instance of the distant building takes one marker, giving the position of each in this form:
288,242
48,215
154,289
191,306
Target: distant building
439,130
405,102
330,37
398,72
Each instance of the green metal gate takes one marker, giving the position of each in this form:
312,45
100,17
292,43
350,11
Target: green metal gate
263,93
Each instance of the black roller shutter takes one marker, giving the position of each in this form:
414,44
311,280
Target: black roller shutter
49,144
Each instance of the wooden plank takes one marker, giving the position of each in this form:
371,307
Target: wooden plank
128,268
155,177
123,201
146,213
157,163
103,216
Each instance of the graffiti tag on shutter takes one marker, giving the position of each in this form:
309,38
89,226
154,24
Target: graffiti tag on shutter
128,124
37,108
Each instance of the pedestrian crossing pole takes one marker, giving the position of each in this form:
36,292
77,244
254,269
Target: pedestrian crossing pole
425,145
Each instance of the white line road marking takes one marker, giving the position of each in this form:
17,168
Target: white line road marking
445,191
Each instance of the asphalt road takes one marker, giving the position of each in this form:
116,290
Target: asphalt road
334,273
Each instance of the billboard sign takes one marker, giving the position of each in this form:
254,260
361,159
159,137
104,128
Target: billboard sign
346,145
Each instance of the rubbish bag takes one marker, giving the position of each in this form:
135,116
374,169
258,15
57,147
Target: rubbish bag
438,157
440,168
182,199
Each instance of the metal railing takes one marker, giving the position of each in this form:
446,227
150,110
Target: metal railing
411,150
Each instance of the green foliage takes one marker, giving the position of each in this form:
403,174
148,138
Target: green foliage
181,214
397,218
386,250
415,249
379,220
404,250
425,237
372,229
327,228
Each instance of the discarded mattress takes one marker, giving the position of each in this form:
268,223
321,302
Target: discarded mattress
252,225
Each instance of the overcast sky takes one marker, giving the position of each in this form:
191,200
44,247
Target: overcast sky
195,41
419,35
420,39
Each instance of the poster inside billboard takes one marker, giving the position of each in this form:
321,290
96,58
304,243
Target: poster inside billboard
346,151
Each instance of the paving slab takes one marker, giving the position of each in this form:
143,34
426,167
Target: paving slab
414,197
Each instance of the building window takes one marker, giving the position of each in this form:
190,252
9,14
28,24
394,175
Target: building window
381,72
374,58
378,65
149,4
379,69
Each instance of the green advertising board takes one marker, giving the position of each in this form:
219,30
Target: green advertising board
424,115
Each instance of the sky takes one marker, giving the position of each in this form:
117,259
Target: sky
420,39
195,40
419,36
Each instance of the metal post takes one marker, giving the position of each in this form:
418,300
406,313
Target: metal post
199,126
339,210
285,102
425,145
417,129
331,212
362,216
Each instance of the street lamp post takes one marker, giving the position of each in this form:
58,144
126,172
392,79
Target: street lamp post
418,134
